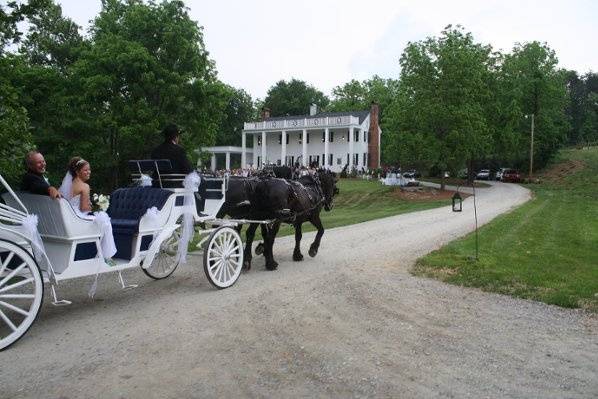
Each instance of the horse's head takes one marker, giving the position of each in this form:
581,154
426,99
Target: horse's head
328,181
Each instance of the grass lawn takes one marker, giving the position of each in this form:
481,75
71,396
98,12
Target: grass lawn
546,250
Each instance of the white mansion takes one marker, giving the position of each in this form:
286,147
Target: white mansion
332,139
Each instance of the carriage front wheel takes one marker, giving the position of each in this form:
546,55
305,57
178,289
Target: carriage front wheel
223,257
166,260
21,292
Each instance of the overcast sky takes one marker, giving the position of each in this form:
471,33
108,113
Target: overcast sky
329,42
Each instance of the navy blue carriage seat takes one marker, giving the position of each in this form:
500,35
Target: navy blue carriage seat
127,207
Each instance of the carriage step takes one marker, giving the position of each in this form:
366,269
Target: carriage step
123,283
56,301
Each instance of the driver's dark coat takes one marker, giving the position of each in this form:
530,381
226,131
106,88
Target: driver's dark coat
177,156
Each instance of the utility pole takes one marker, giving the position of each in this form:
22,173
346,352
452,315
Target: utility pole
531,152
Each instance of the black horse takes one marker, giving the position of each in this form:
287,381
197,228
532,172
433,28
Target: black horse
240,204
294,202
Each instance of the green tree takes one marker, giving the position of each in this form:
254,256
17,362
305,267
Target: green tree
14,13
238,109
440,116
351,96
15,135
589,128
53,40
293,98
147,66
531,78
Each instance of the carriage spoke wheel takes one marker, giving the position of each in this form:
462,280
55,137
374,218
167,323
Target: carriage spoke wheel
223,257
21,292
166,261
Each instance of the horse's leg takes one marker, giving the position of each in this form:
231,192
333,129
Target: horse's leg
269,235
313,248
297,256
249,235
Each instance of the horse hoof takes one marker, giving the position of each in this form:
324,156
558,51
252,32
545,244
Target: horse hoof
298,257
272,266
313,251
246,265
259,249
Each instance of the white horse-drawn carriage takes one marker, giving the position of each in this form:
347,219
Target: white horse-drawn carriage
149,226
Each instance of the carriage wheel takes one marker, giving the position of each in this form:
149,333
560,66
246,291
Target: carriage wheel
166,260
223,257
21,292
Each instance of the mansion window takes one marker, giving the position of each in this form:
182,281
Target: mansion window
280,138
301,138
330,136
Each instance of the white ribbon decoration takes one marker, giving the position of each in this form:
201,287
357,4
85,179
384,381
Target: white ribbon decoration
191,183
152,216
30,225
145,180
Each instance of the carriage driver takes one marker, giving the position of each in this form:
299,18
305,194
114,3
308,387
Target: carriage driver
171,150
34,180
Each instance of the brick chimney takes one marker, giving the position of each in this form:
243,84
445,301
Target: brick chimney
313,110
265,113
374,138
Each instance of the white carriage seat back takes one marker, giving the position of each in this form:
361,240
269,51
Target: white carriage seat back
56,218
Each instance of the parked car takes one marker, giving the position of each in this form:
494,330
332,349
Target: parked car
412,174
500,173
511,176
483,174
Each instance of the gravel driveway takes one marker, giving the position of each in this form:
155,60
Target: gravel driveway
351,322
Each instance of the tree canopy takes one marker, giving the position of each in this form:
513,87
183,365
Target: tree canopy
293,98
106,95
443,101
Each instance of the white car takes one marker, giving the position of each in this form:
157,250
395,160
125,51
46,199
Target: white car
483,174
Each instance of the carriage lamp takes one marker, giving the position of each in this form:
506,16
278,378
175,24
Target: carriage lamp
457,202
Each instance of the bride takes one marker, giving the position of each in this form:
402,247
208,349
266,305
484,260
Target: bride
75,190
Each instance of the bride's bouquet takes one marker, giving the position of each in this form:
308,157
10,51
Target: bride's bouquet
100,202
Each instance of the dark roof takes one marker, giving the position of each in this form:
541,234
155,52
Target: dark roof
360,114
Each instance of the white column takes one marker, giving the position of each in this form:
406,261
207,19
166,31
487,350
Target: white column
213,165
304,152
283,151
243,155
326,149
227,160
351,137
263,148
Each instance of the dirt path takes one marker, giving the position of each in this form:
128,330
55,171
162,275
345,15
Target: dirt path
351,322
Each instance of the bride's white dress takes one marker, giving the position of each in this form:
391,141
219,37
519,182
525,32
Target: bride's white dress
103,221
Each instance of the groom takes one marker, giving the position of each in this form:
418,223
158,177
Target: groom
34,180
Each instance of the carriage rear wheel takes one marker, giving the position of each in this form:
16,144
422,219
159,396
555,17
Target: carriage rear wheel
223,257
166,260
21,292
